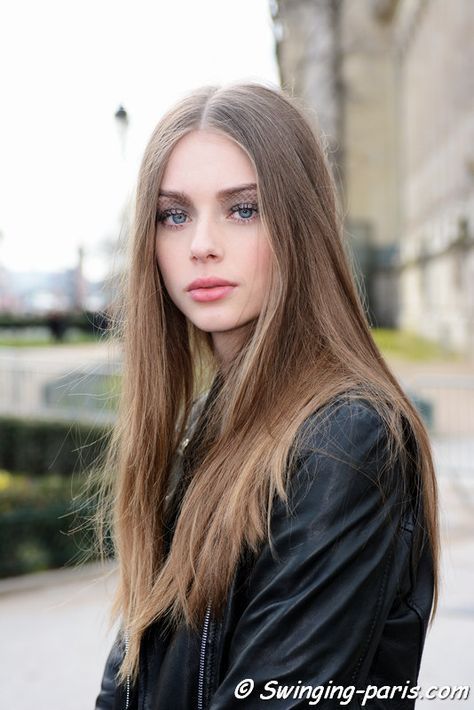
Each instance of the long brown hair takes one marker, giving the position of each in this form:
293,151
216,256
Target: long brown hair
308,345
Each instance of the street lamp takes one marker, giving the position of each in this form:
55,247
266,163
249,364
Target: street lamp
121,117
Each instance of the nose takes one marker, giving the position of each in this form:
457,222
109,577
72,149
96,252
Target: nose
205,242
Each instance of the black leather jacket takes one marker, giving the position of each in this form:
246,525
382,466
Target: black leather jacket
343,602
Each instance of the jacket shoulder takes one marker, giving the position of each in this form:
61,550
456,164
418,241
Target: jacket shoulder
344,426
344,457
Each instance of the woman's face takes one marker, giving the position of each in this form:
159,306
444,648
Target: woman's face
209,228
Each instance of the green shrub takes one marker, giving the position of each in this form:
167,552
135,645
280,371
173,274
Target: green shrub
43,523
42,447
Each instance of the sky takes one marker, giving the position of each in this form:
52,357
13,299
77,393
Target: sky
65,170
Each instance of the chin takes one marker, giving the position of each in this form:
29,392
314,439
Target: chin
210,327
212,324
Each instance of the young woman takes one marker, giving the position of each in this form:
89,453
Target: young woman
271,489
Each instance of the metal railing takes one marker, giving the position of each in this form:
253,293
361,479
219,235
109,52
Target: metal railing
55,390
88,391
447,404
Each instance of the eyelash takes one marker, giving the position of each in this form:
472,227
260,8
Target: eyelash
161,216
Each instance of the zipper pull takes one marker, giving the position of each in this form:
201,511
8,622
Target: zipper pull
202,658
127,687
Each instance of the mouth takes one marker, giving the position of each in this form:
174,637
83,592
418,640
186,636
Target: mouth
210,288
209,282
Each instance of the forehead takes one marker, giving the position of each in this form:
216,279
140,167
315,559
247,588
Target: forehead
207,159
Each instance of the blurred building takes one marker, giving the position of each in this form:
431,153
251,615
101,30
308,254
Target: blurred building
435,52
37,293
8,299
391,82
42,292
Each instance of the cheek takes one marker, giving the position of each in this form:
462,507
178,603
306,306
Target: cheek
164,259
165,267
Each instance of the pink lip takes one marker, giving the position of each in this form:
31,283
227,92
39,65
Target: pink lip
210,294
208,282
209,288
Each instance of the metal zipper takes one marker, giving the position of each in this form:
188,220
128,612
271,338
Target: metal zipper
127,692
202,656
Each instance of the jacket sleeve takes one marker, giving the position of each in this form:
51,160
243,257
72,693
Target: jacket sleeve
106,700
313,615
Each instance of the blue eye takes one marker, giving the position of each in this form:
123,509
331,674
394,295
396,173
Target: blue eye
246,211
178,217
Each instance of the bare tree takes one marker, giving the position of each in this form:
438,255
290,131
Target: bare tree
309,55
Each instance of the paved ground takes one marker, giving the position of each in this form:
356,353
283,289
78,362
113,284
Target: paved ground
448,657
55,641
55,638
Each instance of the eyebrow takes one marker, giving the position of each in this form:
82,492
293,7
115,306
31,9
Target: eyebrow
222,195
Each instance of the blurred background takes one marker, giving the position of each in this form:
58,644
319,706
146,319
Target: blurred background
390,84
